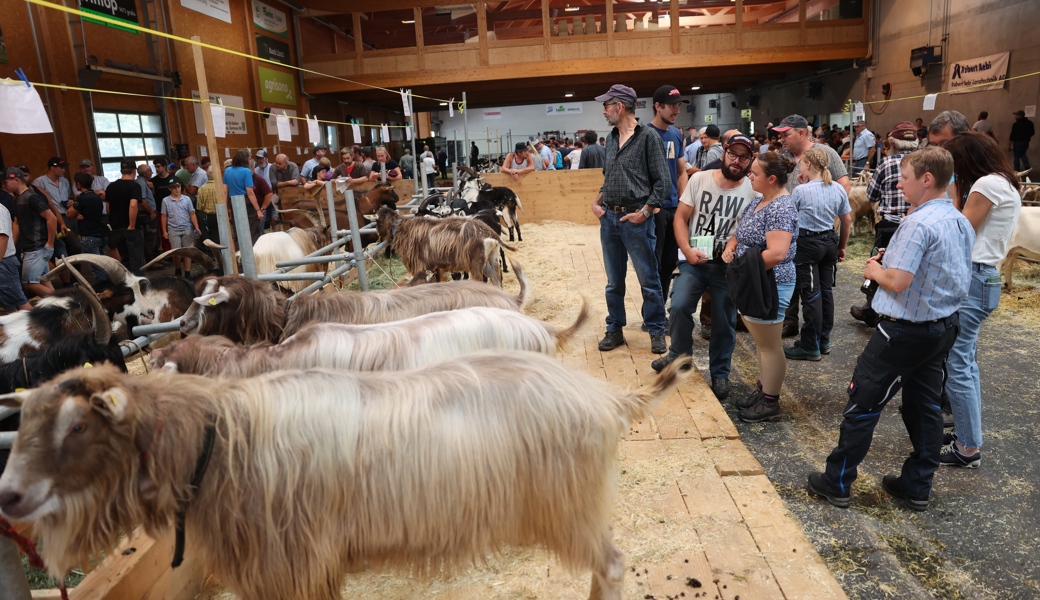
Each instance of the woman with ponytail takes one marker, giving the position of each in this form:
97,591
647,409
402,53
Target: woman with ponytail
818,201
770,223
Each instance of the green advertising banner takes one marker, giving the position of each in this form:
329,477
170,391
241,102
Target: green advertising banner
122,10
272,49
277,86
270,19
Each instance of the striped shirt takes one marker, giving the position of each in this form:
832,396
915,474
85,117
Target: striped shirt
819,204
933,243
636,173
882,188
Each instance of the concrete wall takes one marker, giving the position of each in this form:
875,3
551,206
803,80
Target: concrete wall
976,28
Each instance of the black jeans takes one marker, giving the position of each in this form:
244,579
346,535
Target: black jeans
816,262
667,249
1018,151
911,356
208,227
130,243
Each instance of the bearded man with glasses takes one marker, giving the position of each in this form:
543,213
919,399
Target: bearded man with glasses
709,209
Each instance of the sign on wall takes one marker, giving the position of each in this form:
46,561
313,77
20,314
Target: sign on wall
122,10
272,125
277,86
990,70
234,120
218,9
270,19
570,108
272,49
492,113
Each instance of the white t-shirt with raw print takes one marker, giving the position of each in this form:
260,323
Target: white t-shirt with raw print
994,235
716,211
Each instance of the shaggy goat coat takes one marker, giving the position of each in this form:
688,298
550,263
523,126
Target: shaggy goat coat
392,346
278,246
433,468
401,303
452,244
249,311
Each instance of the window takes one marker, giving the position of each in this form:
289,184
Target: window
137,136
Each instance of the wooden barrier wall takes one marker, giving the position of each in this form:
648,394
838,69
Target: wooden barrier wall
554,195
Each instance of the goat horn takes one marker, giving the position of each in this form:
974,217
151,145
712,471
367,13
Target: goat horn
192,253
116,272
102,326
306,213
469,171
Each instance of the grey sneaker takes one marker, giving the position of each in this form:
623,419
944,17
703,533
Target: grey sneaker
657,344
612,340
951,456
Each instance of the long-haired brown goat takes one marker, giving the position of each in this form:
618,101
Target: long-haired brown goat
392,346
435,246
502,449
384,306
245,310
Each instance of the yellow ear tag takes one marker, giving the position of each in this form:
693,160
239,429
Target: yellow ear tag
88,366
113,400
19,390
212,301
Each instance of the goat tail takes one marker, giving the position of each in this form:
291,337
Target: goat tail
506,246
635,404
525,288
564,335
518,205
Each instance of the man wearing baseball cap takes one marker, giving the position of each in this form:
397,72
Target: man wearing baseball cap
59,191
635,186
884,191
1022,131
666,108
707,216
37,227
307,170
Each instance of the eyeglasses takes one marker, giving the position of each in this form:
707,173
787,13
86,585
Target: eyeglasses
741,158
608,104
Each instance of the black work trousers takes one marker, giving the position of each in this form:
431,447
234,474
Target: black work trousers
816,262
900,355
667,249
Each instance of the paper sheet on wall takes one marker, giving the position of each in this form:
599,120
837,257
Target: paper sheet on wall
1030,111
227,152
386,134
219,120
404,101
929,102
408,132
284,129
858,113
451,107
356,130
21,110
313,132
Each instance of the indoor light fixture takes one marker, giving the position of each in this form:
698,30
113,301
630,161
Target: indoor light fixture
444,103
570,8
696,87
408,22
568,95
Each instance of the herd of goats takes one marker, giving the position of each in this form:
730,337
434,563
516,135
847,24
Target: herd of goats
419,428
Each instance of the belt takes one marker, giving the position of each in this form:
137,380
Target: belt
905,322
621,210
807,233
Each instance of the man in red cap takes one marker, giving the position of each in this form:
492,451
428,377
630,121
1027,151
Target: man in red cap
892,207
635,186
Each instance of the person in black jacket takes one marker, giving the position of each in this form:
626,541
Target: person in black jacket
1022,131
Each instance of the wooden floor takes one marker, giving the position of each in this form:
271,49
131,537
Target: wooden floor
707,486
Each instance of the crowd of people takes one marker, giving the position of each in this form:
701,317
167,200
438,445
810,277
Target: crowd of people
151,208
753,223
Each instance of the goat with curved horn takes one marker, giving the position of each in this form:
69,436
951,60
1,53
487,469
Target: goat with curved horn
102,325
193,253
310,216
116,272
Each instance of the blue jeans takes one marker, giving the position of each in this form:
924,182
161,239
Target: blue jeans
689,286
858,165
962,383
620,241
95,245
1018,151
784,292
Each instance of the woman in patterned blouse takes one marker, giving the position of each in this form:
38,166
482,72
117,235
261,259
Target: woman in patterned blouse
771,223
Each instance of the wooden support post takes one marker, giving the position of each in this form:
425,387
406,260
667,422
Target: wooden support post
546,29
608,25
359,64
673,24
740,23
482,32
230,267
803,32
420,41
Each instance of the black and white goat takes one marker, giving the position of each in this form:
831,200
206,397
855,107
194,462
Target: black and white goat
66,352
477,195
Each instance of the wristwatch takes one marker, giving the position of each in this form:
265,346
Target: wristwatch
646,215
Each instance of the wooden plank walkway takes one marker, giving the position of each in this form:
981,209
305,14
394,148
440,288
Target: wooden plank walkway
697,479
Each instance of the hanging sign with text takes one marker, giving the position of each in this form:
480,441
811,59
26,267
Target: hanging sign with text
270,19
978,72
272,49
277,86
122,10
234,120
218,9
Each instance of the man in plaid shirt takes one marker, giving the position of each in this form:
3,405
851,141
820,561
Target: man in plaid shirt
892,207
636,183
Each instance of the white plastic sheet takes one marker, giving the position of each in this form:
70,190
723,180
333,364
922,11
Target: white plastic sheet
219,120
284,128
21,110
313,131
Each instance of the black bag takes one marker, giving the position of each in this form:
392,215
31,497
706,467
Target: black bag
752,287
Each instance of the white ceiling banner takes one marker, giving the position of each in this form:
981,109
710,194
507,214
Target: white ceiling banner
218,9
